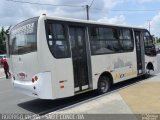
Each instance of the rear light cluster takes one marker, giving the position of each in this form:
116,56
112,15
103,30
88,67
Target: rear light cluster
61,82
35,78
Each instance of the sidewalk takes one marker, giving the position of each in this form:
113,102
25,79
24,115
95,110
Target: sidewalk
2,74
144,97
141,98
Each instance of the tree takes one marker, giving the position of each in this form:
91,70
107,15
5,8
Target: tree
2,39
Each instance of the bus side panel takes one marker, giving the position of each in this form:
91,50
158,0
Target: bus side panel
152,60
100,63
61,69
63,78
125,66
121,66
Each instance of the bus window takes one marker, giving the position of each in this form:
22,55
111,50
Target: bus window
103,40
23,37
57,40
148,39
126,39
148,44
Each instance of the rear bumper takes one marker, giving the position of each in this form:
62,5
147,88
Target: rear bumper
42,88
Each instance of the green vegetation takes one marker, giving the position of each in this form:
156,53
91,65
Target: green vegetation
157,41
2,39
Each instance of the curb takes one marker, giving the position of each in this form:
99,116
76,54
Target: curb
2,77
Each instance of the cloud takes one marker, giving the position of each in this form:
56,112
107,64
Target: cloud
112,3
11,13
154,25
17,11
114,20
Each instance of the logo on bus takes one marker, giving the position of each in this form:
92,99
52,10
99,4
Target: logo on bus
127,74
21,76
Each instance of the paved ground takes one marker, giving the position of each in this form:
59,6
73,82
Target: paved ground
143,97
110,104
2,75
9,99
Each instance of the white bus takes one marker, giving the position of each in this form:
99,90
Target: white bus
52,57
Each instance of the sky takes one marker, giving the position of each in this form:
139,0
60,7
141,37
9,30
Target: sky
137,13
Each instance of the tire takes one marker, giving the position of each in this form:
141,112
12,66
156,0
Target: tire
147,74
103,84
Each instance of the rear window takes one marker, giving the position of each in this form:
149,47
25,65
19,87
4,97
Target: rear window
23,37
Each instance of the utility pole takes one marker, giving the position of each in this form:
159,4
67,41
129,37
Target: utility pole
149,25
87,10
88,7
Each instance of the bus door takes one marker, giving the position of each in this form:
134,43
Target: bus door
79,57
139,51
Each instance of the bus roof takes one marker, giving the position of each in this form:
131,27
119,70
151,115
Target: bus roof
90,22
80,21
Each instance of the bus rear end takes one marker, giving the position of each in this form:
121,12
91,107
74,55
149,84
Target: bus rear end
23,61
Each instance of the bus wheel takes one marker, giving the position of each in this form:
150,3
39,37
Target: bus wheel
103,84
147,74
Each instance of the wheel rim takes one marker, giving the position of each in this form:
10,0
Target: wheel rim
103,86
148,72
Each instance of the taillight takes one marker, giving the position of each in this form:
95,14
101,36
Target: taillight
35,78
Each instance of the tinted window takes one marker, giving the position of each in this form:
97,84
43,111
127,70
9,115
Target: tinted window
148,43
57,40
23,37
94,33
126,39
148,39
103,40
110,40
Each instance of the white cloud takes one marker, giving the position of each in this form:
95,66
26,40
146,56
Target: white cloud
112,3
154,25
12,13
114,20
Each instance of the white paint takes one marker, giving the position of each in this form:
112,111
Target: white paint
76,89
43,86
85,87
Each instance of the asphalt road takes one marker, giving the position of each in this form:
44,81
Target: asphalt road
13,102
